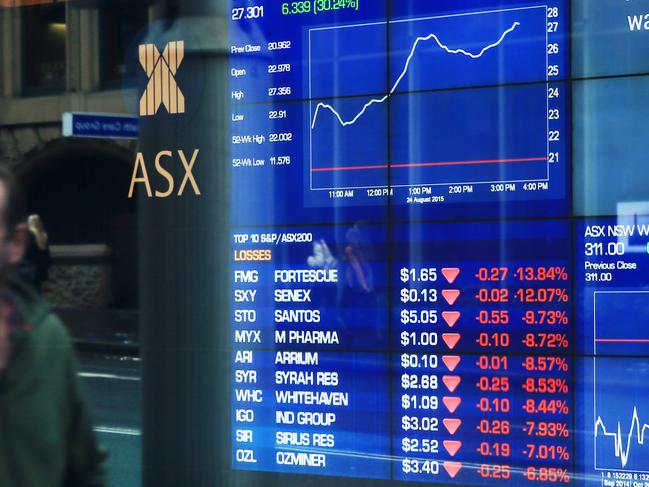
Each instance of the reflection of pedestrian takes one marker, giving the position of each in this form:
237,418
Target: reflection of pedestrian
46,437
35,265
359,300
357,256
323,259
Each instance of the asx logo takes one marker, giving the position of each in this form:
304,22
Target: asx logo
141,175
162,88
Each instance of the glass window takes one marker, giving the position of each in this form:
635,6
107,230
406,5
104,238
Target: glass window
332,243
122,26
44,38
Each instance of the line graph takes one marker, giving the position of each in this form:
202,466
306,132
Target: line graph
405,71
619,443
431,164
423,130
622,445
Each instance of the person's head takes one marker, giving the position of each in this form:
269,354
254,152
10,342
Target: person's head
13,223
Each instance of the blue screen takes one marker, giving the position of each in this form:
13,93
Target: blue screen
345,109
613,306
440,242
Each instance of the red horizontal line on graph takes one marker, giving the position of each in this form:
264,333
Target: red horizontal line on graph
623,340
429,164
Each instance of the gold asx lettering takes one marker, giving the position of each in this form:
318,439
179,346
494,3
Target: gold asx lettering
141,175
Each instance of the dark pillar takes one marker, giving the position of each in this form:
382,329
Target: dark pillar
184,259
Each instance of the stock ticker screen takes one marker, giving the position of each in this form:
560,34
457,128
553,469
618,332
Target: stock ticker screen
440,241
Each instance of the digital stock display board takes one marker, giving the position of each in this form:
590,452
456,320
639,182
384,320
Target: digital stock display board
440,241
351,105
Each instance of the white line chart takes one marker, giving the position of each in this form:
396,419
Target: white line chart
413,50
622,446
626,442
441,62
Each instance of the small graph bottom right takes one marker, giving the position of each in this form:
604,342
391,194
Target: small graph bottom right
621,415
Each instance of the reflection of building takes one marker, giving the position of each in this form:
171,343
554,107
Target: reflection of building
74,57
